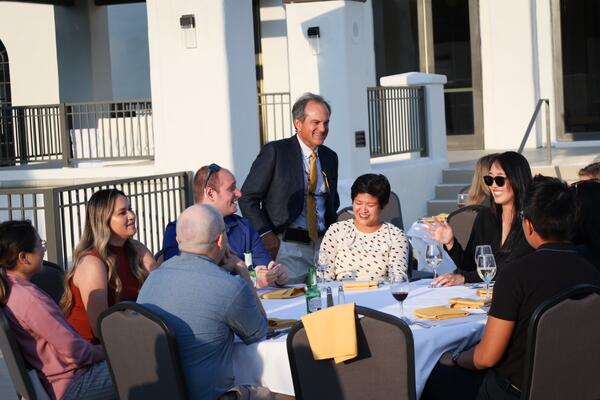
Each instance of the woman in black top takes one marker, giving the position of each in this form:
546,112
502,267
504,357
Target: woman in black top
587,220
497,225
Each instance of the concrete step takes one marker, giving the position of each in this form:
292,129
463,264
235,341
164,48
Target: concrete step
435,206
457,175
448,191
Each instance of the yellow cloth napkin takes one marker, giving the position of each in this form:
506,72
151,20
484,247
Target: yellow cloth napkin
331,333
482,292
464,302
279,323
440,312
283,293
358,285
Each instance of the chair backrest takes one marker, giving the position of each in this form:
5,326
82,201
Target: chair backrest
159,257
392,212
344,214
384,367
17,368
563,350
141,353
461,221
51,280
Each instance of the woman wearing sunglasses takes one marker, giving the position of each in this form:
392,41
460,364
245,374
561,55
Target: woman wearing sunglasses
498,225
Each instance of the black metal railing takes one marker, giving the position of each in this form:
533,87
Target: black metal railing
75,132
29,134
59,212
396,120
275,116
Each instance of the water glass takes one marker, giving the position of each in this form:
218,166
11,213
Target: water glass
321,268
481,250
434,257
486,269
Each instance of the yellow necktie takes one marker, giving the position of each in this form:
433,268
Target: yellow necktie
311,206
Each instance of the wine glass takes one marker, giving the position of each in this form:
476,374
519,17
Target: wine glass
481,250
433,256
321,268
399,287
461,200
486,269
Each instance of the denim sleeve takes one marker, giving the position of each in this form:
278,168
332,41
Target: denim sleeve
244,317
170,246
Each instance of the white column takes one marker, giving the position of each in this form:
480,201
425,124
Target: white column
204,98
341,72
435,117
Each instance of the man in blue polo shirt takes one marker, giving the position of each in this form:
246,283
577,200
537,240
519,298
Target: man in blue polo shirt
217,187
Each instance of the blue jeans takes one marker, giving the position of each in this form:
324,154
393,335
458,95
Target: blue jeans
94,384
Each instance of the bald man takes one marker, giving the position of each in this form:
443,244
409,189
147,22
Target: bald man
205,305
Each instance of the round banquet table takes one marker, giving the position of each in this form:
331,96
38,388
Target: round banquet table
266,363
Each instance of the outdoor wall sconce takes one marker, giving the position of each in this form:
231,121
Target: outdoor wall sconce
314,35
188,26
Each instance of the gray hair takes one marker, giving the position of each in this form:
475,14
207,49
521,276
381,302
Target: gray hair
300,105
198,227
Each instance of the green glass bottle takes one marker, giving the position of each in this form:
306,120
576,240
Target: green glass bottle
313,294
250,265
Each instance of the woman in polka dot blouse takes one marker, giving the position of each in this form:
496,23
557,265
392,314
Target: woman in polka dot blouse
365,248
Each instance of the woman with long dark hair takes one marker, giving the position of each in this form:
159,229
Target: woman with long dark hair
498,226
109,265
69,366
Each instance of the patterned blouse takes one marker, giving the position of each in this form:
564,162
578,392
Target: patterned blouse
351,254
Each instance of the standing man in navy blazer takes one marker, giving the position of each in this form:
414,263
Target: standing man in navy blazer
290,195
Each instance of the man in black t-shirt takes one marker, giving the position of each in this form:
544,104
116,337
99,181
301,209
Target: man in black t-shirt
520,288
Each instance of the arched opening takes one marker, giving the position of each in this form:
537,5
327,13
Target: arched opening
7,150
4,77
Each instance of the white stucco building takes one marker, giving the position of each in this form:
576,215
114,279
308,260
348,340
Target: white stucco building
203,64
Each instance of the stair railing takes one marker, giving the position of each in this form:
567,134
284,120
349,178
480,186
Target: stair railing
538,107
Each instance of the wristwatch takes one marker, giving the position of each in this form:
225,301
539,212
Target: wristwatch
455,356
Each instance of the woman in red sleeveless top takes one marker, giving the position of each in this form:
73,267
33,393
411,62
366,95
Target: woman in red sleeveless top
109,265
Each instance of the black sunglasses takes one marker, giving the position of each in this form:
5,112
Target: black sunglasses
212,168
489,180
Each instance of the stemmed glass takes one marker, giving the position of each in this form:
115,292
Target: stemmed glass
481,250
433,256
321,268
461,200
486,269
399,287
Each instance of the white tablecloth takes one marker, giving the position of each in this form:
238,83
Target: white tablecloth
266,363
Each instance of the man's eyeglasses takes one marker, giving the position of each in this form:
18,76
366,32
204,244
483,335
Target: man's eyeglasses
489,180
212,168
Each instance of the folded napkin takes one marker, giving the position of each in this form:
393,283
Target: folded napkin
284,293
331,333
360,285
440,217
483,292
440,312
278,323
464,302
